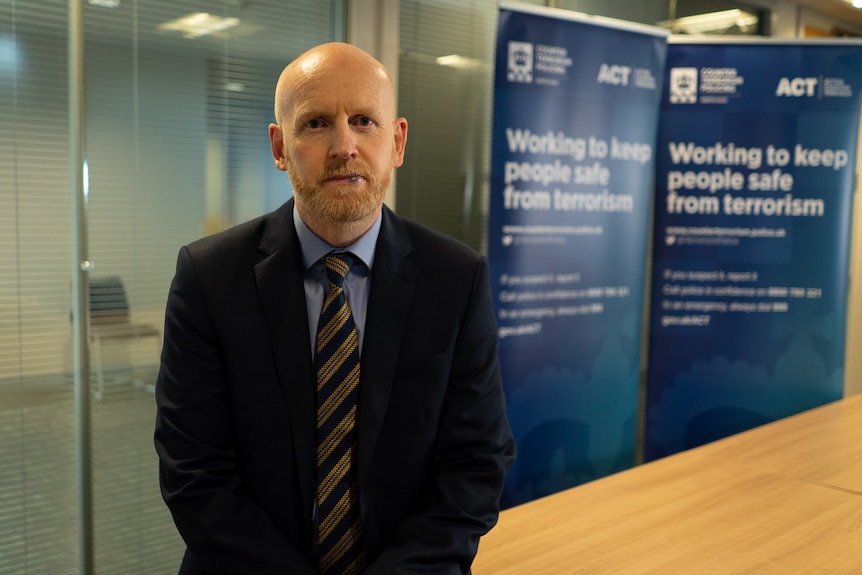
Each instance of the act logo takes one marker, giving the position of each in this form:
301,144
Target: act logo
797,87
683,86
520,67
614,74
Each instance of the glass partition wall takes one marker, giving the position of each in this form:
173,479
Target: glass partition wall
37,439
178,95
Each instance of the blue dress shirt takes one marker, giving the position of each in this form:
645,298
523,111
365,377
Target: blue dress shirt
357,285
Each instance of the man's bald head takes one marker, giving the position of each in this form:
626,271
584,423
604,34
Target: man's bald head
335,58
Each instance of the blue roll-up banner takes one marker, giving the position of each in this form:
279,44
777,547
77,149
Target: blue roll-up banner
754,187
576,103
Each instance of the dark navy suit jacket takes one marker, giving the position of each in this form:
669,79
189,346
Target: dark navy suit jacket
235,394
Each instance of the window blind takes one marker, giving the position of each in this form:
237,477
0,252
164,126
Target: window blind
444,180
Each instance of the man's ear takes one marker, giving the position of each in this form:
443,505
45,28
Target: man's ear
400,140
276,140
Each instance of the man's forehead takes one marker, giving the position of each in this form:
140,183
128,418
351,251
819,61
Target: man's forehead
334,106
350,97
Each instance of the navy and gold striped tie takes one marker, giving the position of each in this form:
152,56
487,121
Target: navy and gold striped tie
339,532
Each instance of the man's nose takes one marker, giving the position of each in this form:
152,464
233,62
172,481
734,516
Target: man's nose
343,145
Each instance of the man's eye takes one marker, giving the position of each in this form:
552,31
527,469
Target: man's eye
314,124
364,121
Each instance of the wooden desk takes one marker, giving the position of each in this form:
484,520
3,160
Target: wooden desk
823,445
783,498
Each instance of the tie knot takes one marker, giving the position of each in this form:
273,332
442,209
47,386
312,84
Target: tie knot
338,266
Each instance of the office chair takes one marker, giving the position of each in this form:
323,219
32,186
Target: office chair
109,321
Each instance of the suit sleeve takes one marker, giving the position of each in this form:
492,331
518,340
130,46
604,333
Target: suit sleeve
198,472
474,449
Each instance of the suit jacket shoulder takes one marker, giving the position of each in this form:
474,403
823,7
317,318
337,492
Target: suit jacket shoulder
421,243
253,239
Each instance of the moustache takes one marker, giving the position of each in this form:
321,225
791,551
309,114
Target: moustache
346,170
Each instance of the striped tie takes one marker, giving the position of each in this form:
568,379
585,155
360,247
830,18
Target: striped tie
339,532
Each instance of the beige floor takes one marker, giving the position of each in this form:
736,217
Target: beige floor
133,532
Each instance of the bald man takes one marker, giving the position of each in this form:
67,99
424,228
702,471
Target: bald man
243,428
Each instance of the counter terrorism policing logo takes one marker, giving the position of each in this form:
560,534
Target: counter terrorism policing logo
537,63
683,86
520,62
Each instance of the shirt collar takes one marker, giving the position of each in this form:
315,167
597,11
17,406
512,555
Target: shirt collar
314,248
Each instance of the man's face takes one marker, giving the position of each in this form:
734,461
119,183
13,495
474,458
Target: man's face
340,139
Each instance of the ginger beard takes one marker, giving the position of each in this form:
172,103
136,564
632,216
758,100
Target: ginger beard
341,204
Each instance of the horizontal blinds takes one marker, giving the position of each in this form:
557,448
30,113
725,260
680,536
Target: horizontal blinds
37,463
444,180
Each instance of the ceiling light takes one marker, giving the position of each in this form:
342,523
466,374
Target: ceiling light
105,3
712,22
460,62
198,24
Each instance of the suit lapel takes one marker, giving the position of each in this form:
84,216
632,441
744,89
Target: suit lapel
392,286
282,297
